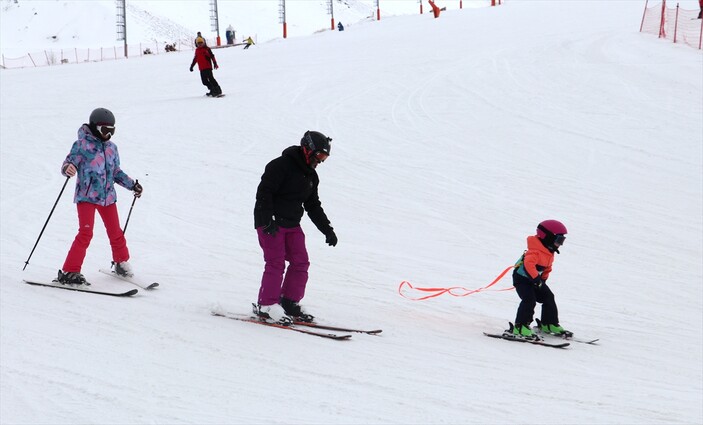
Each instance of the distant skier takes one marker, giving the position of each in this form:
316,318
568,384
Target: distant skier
248,42
288,187
95,162
435,8
205,60
340,27
201,37
530,280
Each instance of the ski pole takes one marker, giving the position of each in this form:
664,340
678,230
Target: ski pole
112,263
130,212
26,263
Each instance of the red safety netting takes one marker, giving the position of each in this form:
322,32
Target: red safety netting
673,23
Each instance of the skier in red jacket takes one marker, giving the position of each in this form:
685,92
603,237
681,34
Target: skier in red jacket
205,60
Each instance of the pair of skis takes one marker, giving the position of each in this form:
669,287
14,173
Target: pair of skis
542,338
99,289
337,333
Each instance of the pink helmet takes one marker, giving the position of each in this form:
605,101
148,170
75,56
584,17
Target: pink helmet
552,234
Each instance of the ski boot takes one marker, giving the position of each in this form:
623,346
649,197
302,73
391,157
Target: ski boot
71,278
519,331
124,269
296,311
273,313
554,329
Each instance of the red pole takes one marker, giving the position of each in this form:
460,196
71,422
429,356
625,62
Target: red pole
676,22
644,14
285,30
420,8
378,13
332,24
493,2
662,33
219,41
461,4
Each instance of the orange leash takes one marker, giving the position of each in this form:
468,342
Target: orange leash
455,291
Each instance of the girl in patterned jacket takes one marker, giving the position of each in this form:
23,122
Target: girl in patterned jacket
95,162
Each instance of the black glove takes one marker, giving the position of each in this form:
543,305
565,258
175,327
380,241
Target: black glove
271,228
191,69
137,189
539,283
331,238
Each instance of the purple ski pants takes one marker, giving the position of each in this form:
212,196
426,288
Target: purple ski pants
288,245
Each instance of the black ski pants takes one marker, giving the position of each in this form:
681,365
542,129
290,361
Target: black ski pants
209,81
531,294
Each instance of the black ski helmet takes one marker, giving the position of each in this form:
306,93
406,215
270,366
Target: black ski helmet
101,116
102,123
316,142
552,233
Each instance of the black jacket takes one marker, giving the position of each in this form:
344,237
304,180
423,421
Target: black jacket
289,186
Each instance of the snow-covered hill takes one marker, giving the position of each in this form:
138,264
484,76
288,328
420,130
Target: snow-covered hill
37,25
453,138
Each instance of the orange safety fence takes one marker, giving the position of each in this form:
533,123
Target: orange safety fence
74,55
455,291
674,23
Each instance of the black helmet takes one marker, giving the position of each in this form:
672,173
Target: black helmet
101,116
102,123
316,142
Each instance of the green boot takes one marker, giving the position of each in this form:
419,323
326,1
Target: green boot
552,329
523,331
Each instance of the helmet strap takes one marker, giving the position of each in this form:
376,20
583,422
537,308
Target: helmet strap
307,153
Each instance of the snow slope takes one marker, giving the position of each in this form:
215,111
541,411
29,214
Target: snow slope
453,138
38,25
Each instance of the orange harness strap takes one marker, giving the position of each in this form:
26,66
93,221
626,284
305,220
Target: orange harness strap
455,291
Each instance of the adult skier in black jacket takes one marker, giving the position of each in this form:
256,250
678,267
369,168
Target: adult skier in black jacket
288,188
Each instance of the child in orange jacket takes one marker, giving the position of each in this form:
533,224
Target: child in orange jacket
530,280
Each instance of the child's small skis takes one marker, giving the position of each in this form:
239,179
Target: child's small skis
132,280
509,336
569,336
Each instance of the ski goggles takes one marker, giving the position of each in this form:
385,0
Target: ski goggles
106,130
559,240
321,156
